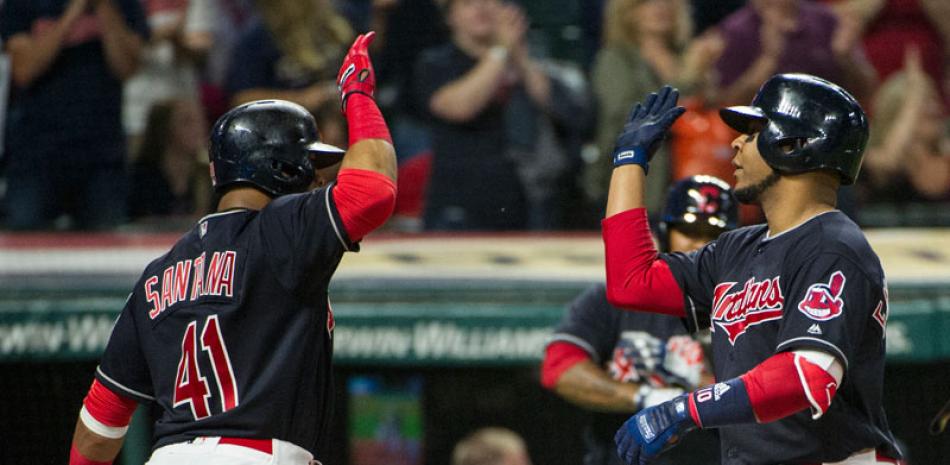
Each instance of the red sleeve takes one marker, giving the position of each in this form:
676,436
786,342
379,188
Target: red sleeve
636,277
774,393
558,358
364,119
108,407
365,200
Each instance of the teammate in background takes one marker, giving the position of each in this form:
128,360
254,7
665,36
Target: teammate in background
616,363
797,306
231,332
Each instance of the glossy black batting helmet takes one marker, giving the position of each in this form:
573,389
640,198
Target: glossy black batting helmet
806,124
699,205
272,145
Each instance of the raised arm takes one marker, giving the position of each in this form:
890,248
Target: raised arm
32,55
122,45
636,277
365,194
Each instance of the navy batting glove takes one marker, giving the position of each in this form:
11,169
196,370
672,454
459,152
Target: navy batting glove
646,127
653,430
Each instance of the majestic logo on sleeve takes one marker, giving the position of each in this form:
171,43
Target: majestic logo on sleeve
823,301
755,303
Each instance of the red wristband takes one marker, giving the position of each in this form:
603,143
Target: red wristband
108,407
76,458
364,119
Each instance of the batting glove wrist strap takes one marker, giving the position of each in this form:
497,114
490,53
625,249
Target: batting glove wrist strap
633,156
721,404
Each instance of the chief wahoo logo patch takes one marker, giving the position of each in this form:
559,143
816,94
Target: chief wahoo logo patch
823,301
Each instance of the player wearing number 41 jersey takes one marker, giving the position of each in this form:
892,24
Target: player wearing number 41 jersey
230,333
797,307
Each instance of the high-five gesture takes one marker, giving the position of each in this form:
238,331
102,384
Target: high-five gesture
356,74
646,128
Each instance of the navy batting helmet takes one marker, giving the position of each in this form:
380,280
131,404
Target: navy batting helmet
806,124
699,205
272,145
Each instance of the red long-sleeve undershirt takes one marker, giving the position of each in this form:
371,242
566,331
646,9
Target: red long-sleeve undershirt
365,200
637,279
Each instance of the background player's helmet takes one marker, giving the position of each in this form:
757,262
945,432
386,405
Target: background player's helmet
699,205
806,124
272,145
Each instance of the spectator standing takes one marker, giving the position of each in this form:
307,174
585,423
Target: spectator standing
466,87
908,157
291,54
181,35
65,144
170,173
647,42
768,37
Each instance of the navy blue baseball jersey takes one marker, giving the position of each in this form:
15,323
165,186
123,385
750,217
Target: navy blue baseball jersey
631,347
230,332
816,286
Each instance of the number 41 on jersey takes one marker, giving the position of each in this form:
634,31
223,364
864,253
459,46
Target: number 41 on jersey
190,386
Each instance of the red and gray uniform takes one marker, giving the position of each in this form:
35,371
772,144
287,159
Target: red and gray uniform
817,286
632,347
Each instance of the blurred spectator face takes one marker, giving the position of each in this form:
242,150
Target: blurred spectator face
188,129
629,21
654,16
473,19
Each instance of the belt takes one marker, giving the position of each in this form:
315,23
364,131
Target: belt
264,445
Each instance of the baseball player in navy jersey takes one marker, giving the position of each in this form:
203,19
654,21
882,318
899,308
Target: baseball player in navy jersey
797,306
230,333
615,363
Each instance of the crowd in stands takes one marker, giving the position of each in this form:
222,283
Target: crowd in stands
503,114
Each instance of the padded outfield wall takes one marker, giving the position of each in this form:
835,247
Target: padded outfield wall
466,315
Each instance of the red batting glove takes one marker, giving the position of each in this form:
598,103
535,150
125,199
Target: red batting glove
356,74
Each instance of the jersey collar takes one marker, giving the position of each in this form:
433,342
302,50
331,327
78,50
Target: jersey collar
226,212
799,225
